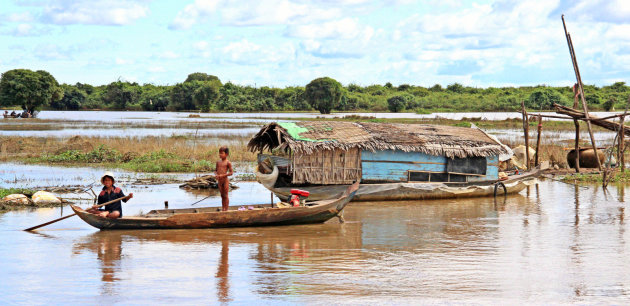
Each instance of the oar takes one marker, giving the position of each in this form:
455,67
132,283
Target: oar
68,216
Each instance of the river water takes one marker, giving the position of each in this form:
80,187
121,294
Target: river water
552,243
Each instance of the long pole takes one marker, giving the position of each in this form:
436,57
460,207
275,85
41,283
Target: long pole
526,131
68,216
620,144
577,132
538,140
579,81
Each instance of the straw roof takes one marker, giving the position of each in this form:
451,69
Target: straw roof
309,136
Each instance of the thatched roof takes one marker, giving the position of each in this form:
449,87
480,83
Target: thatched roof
309,136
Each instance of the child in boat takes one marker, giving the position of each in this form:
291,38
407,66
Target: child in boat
110,192
223,171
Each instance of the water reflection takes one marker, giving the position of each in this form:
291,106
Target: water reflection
223,285
108,250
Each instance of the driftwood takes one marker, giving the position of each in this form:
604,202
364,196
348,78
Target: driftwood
204,182
576,114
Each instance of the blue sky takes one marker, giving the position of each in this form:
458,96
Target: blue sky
290,42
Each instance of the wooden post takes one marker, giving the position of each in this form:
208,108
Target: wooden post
622,144
538,141
577,146
272,199
577,130
526,131
165,204
579,81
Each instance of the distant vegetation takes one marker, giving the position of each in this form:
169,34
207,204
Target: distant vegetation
203,92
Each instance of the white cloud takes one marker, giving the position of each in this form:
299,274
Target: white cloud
613,11
332,49
156,69
202,48
245,52
47,51
111,12
347,28
270,12
168,55
201,45
121,61
257,13
20,17
23,29
192,12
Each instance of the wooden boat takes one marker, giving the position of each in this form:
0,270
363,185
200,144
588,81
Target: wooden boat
210,217
420,191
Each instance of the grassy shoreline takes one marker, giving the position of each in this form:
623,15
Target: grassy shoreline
147,154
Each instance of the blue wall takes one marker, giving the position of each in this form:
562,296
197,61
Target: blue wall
389,165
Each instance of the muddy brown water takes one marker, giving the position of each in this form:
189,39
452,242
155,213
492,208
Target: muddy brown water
552,243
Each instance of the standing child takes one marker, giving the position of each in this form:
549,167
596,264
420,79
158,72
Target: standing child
224,169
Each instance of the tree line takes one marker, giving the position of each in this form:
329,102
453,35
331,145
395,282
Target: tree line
34,90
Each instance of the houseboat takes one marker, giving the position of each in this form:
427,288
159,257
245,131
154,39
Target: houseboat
392,161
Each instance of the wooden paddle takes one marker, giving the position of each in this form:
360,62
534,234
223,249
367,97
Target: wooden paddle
68,216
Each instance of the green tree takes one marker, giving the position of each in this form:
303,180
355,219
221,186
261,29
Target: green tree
609,104
29,89
120,94
206,94
182,96
455,87
154,98
436,88
324,94
593,99
544,98
200,76
399,102
73,98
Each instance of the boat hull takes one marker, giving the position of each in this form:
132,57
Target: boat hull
415,191
316,212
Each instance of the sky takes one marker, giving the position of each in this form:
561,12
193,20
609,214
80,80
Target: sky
281,43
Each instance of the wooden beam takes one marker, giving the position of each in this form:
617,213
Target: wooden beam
538,140
576,123
526,131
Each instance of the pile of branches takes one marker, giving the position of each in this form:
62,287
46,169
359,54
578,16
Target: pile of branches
203,182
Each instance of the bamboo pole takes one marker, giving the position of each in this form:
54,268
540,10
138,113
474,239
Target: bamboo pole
620,140
538,140
579,81
577,132
526,131
622,143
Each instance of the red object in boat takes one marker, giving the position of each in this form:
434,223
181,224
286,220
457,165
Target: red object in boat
295,196
302,193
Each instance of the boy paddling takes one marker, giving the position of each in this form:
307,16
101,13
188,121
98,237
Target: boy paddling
110,192
223,171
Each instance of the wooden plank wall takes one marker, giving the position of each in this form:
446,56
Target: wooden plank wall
327,167
389,165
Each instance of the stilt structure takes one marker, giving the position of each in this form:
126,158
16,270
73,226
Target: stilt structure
581,88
